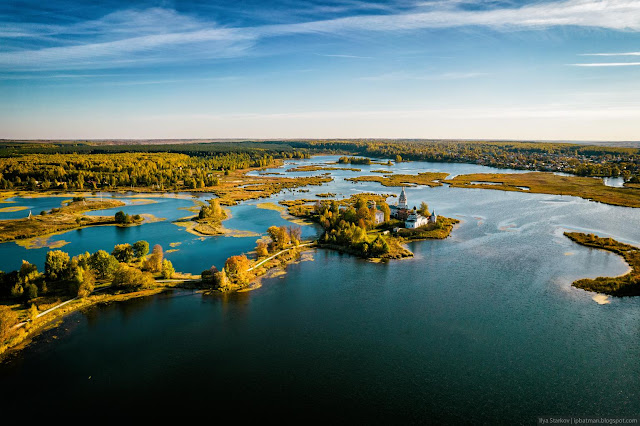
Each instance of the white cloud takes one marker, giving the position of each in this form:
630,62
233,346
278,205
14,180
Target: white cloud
403,75
612,54
150,36
608,64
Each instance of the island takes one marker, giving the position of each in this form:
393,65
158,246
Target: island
283,246
624,285
366,226
389,179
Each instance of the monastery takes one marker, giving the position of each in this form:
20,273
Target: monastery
412,219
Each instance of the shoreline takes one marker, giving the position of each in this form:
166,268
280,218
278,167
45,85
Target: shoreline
27,330
627,284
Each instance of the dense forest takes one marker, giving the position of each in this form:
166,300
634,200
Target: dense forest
86,166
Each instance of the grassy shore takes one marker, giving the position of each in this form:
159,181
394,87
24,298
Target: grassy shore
427,179
549,183
65,218
625,285
432,231
316,168
237,186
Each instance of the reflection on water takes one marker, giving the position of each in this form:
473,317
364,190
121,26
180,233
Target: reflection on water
617,182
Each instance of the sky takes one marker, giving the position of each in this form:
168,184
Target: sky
268,69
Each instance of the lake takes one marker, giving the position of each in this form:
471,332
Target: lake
483,327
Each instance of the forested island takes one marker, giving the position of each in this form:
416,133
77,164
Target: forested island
364,225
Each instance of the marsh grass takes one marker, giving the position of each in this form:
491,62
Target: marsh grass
624,285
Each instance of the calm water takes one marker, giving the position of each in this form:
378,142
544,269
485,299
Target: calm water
483,327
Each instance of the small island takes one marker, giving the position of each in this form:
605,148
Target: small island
283,246
624,285
366,226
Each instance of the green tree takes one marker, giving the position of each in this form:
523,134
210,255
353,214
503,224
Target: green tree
122,218
55,265
220,280
87,283
167,269
140,249
212,211
424,209
130,278
104,264
384,208
30,291
261,249
123,252
17,290
279,237
30,279
153,262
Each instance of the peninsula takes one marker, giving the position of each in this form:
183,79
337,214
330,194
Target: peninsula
61,219
624,285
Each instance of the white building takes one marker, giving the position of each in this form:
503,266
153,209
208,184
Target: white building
412,219
415,220
379,216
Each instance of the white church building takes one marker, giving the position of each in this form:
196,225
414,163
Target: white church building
412,219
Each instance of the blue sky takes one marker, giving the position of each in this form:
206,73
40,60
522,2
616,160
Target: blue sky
554,70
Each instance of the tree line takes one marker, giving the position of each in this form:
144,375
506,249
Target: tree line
128,266
162,171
